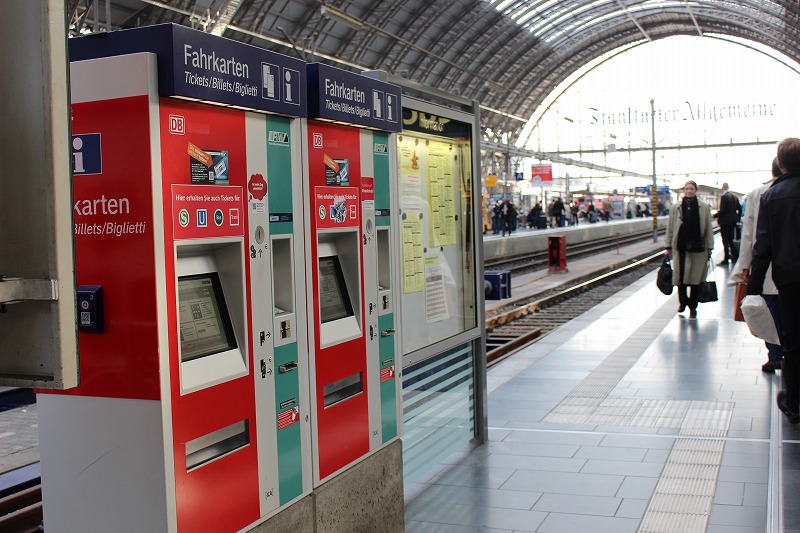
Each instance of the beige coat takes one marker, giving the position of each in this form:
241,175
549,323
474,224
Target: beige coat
696,262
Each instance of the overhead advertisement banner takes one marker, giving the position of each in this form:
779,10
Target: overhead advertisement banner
336,94
196,65
541,174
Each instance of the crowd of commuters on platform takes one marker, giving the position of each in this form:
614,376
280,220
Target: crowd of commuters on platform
506,216
741,269
776,245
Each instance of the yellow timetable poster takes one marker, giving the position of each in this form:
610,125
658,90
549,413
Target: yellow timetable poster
413,265
440,194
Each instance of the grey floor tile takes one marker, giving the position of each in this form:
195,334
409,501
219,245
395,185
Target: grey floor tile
637,487
572,504
755,494
501,499
728,515
656,456
745,460
486,517
552,437
416,526
527,462
564,483
496,433
556,426
715,528
729,493
747,447
481,477
624,468
743,474
632,508
522,414
569,523
611,453
526,448
635,441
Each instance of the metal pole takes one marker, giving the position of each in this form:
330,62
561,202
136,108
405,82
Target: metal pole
654,195
505,173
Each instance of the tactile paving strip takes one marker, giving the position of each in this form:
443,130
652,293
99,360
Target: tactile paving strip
684,495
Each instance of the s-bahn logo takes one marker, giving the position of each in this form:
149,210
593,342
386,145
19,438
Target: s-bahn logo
279,137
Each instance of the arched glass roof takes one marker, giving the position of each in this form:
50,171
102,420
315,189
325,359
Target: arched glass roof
506,54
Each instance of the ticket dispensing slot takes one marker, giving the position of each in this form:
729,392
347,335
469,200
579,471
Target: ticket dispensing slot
339,290
207,448
343,389
211,314
283,289
385,304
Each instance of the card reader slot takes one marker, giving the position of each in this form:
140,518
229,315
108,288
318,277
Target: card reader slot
287,367
205,449
342,389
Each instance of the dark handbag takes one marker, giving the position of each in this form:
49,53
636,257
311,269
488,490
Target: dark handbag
664,278
707,290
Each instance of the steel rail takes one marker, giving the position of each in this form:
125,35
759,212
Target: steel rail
515,343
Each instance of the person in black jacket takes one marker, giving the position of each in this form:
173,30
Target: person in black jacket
729,214
777,243
557,211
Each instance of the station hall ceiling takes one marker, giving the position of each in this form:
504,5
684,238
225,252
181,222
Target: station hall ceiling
506,54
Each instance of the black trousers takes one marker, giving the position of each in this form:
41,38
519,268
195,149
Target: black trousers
789,305
728,231
692,298
689,301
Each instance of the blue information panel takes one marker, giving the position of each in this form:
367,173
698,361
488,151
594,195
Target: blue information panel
662,189
336,94
194,64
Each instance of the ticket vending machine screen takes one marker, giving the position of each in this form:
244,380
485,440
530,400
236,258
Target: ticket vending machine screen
205,324
334,301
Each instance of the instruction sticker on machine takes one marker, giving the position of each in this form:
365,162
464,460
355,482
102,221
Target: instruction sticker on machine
337,172
435,295
336,207
288,417
207,211
208,167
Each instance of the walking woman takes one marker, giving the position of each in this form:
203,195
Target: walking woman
690,240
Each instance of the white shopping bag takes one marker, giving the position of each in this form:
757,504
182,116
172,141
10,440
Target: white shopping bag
759,319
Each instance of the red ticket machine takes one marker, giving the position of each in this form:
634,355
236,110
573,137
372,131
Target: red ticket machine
342,253
176,424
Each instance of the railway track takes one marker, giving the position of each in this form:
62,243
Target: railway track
511,330
21,511
529,262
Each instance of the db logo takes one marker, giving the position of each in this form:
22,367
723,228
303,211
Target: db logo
177,125
317,140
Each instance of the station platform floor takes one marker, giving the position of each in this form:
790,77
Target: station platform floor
630,418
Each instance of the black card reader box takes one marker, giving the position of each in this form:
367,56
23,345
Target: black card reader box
90,308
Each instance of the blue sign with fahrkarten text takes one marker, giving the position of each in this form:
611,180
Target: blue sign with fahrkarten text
196,65
342,96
